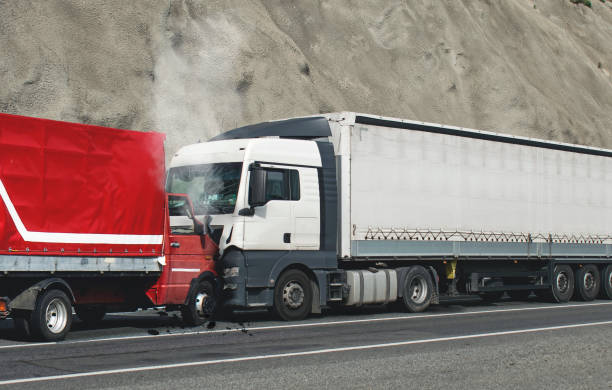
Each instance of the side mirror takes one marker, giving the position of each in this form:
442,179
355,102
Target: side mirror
257,187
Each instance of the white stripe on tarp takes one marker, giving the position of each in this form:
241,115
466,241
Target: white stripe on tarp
74,238
185,269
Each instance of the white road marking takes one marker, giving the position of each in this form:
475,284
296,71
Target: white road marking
311,324
296,354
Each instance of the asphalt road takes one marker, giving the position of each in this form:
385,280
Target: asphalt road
454,345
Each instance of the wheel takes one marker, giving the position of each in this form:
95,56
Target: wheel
491,296
417,289
606,282
293,296
588,282
519,295
52,316
562,283
90,315
202,304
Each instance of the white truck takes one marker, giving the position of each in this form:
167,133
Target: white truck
354,209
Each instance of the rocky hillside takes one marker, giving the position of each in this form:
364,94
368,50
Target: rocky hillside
193,68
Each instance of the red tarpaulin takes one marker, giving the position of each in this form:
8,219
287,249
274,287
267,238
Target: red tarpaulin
81,188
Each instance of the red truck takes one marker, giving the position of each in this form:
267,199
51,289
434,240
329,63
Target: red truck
85,223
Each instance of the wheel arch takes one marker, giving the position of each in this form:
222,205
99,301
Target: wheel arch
26,300
206,275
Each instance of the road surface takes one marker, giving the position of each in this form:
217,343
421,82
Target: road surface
461,344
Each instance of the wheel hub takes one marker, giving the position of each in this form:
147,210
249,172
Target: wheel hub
418,290
293,295
562,282
202,304
56,316
589,281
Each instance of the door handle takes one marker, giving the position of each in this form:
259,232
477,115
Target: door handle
175,244
287,238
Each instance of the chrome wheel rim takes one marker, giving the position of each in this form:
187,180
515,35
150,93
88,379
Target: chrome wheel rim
56,316
293,295
610,280
418,290
200,304
562,282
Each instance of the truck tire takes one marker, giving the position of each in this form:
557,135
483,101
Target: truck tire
52,316
202,304
588,282
293,296
417,289
519,295
606,282
562,283
90,315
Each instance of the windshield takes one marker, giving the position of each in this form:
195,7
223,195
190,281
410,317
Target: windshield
211,187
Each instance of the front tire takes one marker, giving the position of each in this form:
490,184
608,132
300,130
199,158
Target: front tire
417,290
562,283
52,317
588,282
201,306
293,296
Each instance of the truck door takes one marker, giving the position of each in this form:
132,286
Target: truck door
271,227
189,252
304,183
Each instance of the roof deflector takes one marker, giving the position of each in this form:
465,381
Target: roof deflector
298,128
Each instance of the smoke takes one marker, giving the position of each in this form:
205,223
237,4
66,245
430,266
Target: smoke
194,77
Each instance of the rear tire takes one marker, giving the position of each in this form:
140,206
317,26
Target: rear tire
588,282
417,289
293,296
562,283
606,282
52,317
201,306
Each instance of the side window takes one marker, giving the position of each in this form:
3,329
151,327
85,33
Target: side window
281,184
277,185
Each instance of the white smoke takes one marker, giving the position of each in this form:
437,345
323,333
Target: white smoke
195,73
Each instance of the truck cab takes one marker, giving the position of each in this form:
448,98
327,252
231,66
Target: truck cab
263,193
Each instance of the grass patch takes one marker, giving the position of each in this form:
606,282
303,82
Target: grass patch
585,2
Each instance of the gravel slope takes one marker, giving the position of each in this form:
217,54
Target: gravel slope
194,68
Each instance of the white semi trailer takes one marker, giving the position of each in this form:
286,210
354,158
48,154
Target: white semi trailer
354,209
